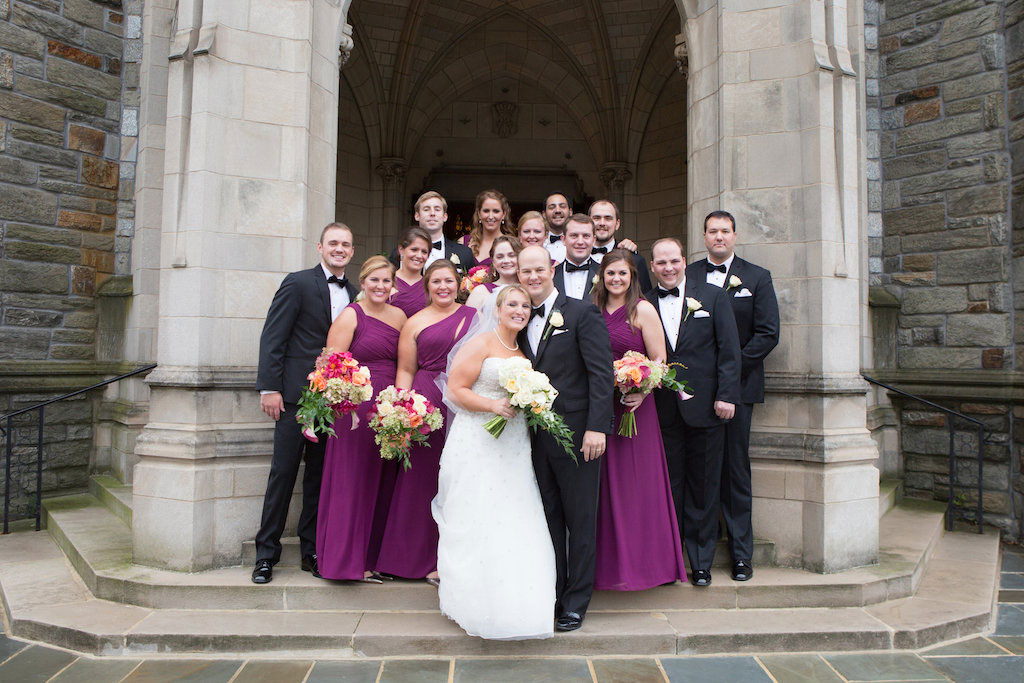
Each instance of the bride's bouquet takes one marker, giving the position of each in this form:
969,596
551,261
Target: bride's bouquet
531,392
400,419
635,373
337,385
476,276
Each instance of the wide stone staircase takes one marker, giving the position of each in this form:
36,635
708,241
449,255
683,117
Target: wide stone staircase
75,586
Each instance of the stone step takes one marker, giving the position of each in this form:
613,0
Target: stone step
890,491
116,495
45,600
764,553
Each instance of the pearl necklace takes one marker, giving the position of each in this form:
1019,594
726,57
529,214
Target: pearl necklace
502,342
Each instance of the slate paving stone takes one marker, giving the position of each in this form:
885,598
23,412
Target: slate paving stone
627,671
274,672
1007,580
1013,561
344,672
884,666
1014,644
740,669
34,664
981,669
415,671
974,646
85,670
1010,621
9,647
799,668
205,670
521,670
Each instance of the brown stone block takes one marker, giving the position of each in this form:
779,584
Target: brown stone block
30,111
102,261
86,139
992,359
100,172
922,111
983,409
919,419
78,219
888,44
978,307
113,66
115,18
65,51
919,262
83,280
915,279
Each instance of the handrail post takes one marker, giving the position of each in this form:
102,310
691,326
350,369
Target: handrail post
39,470
7,475
952,473
981,460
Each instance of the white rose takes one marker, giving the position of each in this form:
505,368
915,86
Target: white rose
556,319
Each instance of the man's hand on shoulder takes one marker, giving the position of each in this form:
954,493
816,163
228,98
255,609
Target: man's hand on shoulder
626,244
272,403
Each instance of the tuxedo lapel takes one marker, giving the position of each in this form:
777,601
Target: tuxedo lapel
735,268
689,291
655,300
324,290
547,332
559,278
595,268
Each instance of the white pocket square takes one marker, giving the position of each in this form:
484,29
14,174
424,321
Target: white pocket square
743,292
558,332
701,314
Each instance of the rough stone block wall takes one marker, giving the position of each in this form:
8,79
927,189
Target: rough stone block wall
1014,34
947,175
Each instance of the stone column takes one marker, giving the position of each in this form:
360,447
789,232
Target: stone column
392,174
614,176
248,181
774,115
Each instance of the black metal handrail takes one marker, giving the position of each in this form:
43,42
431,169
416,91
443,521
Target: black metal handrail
9,436
982,438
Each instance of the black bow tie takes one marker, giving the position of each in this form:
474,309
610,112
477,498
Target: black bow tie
600,250
537,311
720,267
555,238
340,281
571,267
437,245
662,293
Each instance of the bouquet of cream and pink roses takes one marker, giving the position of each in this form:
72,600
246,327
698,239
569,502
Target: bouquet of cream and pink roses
401,418
476,276
337,385
635,373
531,392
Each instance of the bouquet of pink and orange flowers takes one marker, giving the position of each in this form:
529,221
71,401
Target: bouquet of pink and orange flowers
337,385
635,373
476,276
401,418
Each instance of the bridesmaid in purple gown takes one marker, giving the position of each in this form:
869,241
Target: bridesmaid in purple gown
504,270
346,545
638,545
491,217
413,251
409,546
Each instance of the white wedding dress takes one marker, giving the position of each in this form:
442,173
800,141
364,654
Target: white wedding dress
494,556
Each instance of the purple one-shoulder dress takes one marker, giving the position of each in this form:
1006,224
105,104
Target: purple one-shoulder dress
486,261
410,298
355,477
638,544
409,546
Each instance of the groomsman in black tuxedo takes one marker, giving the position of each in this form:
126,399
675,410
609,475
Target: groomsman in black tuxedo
557,210
752,296
568,341
605,214
431,213
700,334
295,332
575,275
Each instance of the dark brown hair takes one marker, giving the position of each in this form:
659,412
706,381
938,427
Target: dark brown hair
513,242
476,234
599,294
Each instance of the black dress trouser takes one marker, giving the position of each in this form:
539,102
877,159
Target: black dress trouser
737,497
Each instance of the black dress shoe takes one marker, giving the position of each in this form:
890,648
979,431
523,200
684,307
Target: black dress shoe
309,565
263,573
701,577
742,571
570,621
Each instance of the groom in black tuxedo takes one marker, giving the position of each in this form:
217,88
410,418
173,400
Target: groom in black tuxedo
568,341
431,213
700,335
752,296
294,334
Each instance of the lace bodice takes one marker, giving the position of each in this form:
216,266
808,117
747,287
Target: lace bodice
486,384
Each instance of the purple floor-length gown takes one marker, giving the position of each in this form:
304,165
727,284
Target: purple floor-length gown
356,483
409,546
410,298
638,544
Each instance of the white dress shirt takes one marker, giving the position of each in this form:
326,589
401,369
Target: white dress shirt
575,283
671,309
717,278
609,246
556,249
535,328
339,295
434,254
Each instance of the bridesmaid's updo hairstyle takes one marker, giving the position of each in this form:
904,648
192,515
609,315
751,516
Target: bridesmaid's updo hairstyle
412,234
513,242
375,263
599,293
437,265
503,294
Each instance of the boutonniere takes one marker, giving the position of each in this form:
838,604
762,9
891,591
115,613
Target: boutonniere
454,258
691,306
554,321
593,280
733,282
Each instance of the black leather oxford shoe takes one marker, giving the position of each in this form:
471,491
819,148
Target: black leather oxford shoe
263,573
742,571
570,621
309,565
701,577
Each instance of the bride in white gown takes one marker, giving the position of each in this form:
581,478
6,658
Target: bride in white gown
494,557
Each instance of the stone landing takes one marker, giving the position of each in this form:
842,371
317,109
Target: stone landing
75,587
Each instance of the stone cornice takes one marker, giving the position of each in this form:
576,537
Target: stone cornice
18,376
243,377
808,383
972,385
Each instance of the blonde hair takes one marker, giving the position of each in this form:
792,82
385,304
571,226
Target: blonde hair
375,263
503,294
430,195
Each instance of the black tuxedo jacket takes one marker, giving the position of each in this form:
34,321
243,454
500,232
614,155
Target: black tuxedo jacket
709,348
757,320
559,278
465,254
295,332
643,272
577,358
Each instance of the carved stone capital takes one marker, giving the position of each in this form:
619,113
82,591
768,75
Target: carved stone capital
614,175
682,55
345,46
392,170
